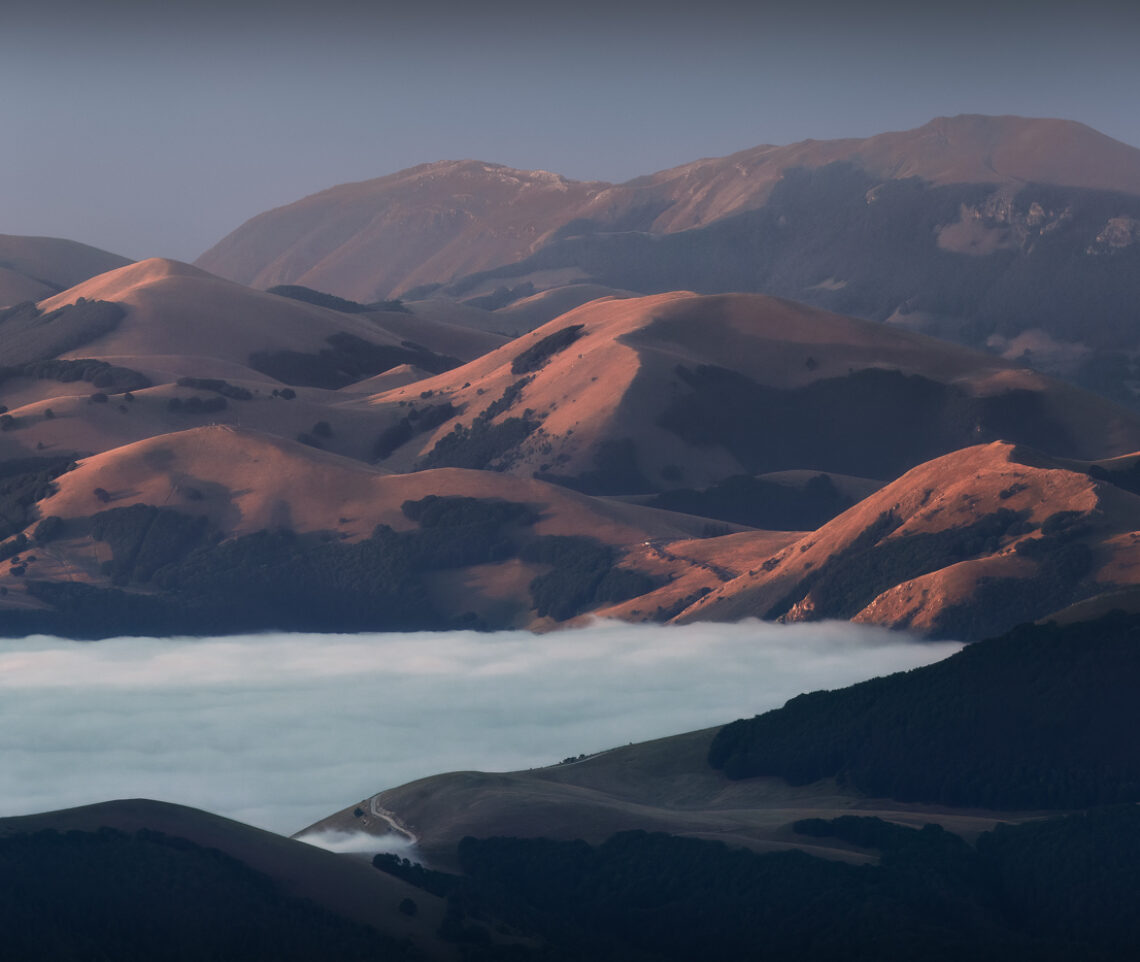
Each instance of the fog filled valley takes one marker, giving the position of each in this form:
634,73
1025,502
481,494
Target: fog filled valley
280,730
459,561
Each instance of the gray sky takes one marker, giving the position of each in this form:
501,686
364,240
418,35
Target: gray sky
155,129
280,731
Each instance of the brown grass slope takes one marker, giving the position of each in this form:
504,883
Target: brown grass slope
175,310
182,322
930,591
244,481
439,222
59,418
619,384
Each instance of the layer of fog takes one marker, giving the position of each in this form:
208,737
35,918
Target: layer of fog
361,843
281,730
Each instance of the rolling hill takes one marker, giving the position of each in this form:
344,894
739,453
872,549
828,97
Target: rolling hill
191,860
206,528
936,744
635,395
647,458
32,268
964,546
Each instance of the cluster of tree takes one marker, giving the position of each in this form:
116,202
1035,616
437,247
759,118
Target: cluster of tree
23,483
347,359
458,531
1041,718
437,883
585,574
482,445
506,400
268,580
51,528
309,582
283,580
298,292
1063,562
536,356
145,895
414,423
743,499
97,373
1049,891
224,388
835,424
144,539
13,546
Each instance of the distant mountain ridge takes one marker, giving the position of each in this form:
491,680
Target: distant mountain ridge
1012,235
438,222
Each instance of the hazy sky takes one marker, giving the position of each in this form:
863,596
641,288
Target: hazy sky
283,730
155,129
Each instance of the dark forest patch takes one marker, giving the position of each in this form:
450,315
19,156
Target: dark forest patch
851,579
23,483
108,377
1041,718
743,499
297,292
536,356
196,583
347,360
224,388
1051,890
872,423
412,424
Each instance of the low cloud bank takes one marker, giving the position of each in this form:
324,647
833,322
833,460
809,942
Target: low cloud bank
359,843
281,730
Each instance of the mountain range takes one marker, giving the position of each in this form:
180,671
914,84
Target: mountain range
1013,235
675,446
887,380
